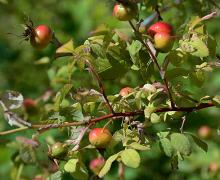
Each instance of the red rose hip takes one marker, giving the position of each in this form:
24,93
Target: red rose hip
125,91
159,27
41,36
100,137
96,165
125,12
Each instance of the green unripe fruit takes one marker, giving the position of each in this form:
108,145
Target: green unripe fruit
58,149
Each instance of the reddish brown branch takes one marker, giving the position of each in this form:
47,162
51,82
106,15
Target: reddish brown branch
115,116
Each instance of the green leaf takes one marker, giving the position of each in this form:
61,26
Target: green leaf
108,165
110,68
154,118
200,48
200,143
61,95
148,111
130,158
56,176
163,134
81,173
134,47
166,146
181,143
138,146
212,44
176,72
216,101
197,78
66,48
177,57
71,165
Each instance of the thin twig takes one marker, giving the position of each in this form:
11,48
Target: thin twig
13,131
100,85
121,171
209,16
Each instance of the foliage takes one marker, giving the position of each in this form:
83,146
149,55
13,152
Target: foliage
75,87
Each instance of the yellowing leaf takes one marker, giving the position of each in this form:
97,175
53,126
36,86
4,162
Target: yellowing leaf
130,158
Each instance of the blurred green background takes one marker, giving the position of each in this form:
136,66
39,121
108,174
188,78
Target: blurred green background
75,19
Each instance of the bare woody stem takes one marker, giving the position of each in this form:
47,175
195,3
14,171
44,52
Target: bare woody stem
115,116
121,171
154,59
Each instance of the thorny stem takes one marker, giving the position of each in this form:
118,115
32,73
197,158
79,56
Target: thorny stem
154,59
115,116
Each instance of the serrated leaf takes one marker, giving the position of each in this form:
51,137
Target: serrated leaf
138,146
108,165
181,143
200,48
130,158
166,146
163,134
154,118
66,48
71,165
200,143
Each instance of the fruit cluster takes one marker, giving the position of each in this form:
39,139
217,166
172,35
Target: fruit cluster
162,34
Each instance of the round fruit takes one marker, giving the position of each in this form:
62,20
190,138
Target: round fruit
41,36
30,106
125,12
100,137
163,41
29,103
213,167
125,91
96,165
159,27
204,132
58,149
